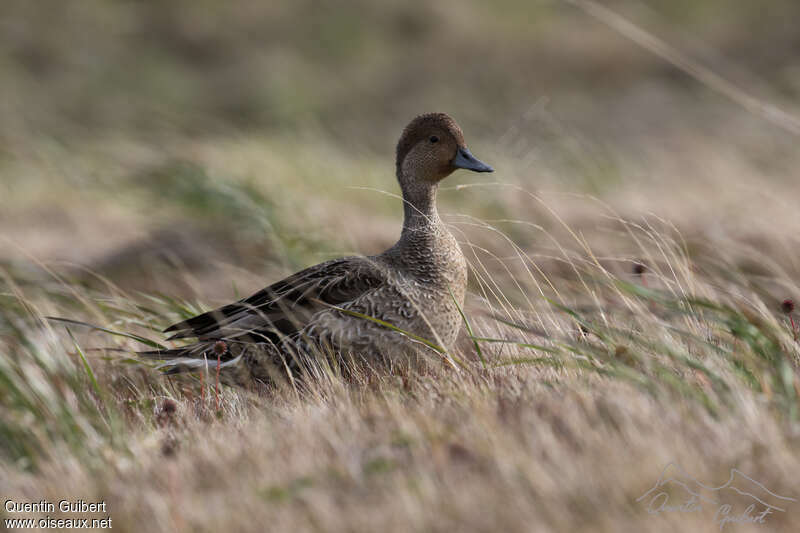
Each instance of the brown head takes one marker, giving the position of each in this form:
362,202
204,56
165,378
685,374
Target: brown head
431,148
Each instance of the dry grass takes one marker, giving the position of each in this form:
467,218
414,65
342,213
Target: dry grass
608,376
581,378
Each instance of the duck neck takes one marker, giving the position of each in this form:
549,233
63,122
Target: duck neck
419,207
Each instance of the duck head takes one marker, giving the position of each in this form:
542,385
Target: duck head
431,148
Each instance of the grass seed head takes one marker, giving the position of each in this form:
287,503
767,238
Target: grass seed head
220,348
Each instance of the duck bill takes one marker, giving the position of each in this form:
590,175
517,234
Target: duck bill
465,159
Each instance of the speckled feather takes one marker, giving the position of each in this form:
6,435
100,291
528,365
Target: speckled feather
412,286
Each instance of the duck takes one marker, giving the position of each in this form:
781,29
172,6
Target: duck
407,298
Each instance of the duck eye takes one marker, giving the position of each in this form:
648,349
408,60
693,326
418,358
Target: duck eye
434,139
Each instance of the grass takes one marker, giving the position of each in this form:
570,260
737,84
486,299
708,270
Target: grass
573,387
628,263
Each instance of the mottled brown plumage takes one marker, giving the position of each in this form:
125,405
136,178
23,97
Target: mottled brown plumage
414,285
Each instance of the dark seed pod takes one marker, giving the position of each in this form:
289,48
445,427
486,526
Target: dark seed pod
220,348
169,406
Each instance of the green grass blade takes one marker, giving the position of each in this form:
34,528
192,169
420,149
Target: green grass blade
469,329
148,342
86,366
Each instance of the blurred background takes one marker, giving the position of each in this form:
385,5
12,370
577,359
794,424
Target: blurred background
241,140
630,256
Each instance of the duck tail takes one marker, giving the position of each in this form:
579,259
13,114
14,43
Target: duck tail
264,362
202,355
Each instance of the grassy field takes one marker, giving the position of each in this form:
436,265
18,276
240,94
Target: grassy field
629,263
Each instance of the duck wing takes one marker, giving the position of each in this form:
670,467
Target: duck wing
286,306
